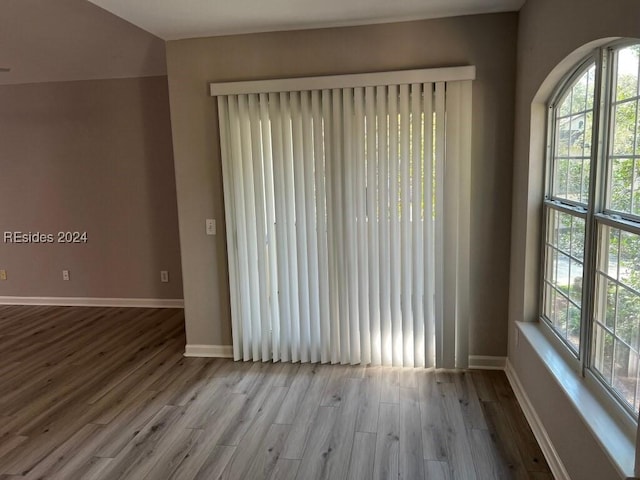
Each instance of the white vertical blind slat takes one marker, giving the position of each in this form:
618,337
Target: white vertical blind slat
351,254
439,223
338,174
300,225
307,163
273,328
383,207
450,251
261,324
282,238
394,234
405,232
416,253
230,215
428,229
361,227
244,291
332,221
463,138
292,246
373,226
321,228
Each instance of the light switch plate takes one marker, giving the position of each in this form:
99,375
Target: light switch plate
211,226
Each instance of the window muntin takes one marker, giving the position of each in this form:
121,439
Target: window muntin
591,281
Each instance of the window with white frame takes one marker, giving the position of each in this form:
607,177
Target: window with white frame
591,232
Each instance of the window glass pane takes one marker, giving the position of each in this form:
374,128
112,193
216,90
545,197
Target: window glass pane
564,105
627,319
577,238
561,177
573,127
621,181
573,326
625,372
624,127
630,260
623,194
611,257
603,353
627,73
617,312
575,289
563,273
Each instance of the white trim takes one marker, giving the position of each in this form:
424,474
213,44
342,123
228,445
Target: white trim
425,75
95,302
546,445
217,351
484,362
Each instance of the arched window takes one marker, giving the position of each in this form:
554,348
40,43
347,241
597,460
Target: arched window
591,233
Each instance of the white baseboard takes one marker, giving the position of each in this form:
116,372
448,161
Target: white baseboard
217,351
549,451
484,362
95,302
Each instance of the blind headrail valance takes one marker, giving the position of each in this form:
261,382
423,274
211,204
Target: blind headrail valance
399,77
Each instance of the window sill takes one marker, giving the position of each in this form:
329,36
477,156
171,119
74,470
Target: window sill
615,440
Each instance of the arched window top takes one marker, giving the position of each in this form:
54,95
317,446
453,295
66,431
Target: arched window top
572,113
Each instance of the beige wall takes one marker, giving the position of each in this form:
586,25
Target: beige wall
92,156
487,41
550,31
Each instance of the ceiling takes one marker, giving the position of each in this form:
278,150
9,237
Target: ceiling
65,40
176,19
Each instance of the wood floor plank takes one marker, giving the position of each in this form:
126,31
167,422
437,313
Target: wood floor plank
216,463
501,429
268,453
369,402
434,439
125,426
314,463
530,452
171,453
61,455
301,427
469,402
86,469
205,452
411,461
390,385
386,462
251,448
10,442
487,457
457,442
333,393
435,470
362,456
295,395
136,460
285,469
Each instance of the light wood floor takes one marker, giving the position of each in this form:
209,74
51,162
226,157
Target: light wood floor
105,393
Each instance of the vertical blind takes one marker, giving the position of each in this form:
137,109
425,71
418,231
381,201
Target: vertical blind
347,216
